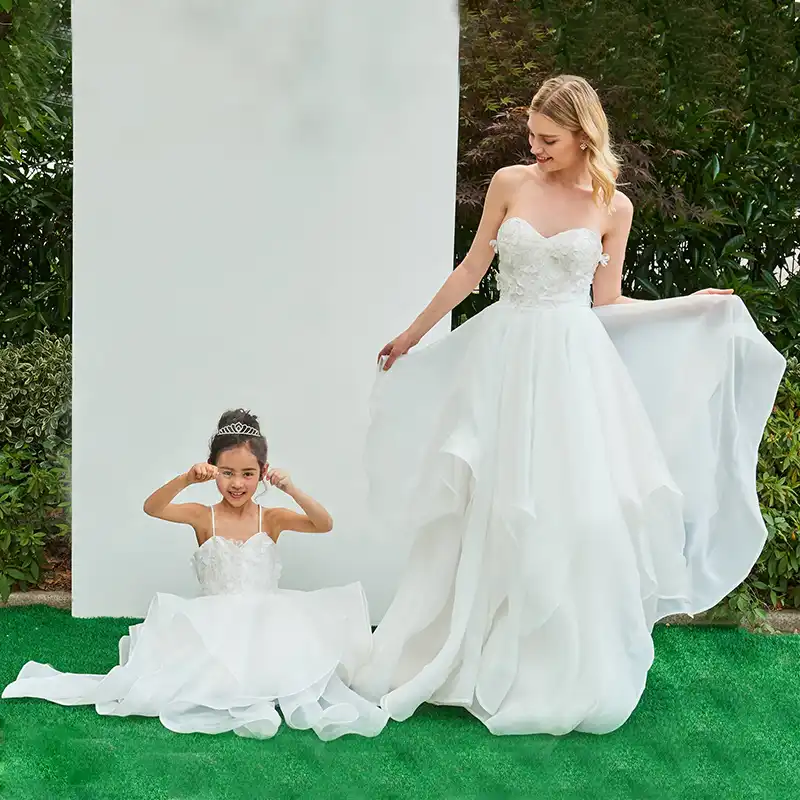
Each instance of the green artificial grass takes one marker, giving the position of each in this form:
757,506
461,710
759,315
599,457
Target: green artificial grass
720,720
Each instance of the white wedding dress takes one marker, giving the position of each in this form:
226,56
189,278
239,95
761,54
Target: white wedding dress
568,476
224,661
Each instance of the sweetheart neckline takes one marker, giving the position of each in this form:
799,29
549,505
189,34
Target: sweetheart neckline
236,542
541,235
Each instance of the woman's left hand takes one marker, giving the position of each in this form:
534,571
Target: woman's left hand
279,478
714,291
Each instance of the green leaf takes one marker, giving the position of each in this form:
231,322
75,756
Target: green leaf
751,130
733,243
741,603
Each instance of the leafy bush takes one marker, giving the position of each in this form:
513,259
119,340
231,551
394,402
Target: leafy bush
776,579
35,78
35,389
35,243
35,169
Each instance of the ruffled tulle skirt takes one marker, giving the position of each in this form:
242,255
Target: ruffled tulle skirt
567,477
231,662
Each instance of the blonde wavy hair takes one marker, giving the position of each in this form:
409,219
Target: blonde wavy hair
573,104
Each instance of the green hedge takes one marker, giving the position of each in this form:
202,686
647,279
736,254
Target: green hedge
776,579
35,169
35,397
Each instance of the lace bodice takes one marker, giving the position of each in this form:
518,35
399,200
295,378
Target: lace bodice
539,271
229,566
225,566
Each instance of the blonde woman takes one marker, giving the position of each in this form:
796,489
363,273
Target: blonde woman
567,475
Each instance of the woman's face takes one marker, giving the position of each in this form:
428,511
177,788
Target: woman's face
554,147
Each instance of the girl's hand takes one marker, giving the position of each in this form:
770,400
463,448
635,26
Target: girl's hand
200,473
396,348
715,291
280,478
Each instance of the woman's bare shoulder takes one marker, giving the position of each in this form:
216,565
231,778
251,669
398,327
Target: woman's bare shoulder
506,184
622,203
514,175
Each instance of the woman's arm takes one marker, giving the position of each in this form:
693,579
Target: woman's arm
607,285
468,274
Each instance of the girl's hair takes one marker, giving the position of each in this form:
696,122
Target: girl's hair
573,104
221,442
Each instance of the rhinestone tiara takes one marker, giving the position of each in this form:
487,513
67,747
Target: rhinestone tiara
238,429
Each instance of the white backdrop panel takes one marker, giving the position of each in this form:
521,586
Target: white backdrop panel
264,194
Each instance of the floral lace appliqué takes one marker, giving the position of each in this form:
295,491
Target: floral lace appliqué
225,566
537,271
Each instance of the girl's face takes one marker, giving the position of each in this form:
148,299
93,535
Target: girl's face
239,474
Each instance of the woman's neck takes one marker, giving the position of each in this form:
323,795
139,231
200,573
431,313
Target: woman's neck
576,177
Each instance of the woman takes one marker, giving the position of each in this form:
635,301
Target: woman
568,476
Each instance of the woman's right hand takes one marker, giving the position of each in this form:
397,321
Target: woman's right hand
399,346
200,473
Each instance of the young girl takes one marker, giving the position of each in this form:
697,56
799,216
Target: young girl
225,660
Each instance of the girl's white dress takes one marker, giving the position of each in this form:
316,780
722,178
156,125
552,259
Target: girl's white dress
228,660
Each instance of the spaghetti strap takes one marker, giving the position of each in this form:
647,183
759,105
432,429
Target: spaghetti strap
259,519
213,522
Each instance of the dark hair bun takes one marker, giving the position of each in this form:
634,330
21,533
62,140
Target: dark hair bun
226,441
239,415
